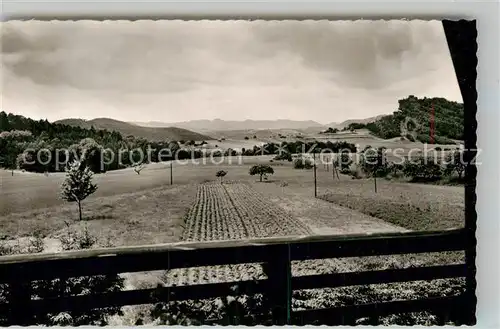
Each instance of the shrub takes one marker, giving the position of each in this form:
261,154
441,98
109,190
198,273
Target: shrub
395,170
63,287
230,152
345,160
354,172
422,170
345,171
284,156
302,163
410,137
455,164
374,162
221,174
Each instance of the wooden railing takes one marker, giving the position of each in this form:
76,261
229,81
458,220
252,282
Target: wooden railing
19,270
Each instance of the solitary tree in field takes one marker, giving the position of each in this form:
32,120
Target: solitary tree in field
221,174
261,170
78,184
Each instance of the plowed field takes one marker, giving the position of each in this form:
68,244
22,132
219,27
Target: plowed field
230,211
236,211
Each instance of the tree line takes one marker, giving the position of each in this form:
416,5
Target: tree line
42,146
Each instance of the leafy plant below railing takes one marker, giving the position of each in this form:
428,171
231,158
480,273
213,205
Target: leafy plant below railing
67,286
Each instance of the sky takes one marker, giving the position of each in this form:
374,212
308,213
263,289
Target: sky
170,71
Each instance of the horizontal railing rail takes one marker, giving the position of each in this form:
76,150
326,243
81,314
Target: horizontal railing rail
192,254
276,253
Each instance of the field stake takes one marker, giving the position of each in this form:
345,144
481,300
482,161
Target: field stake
171,174
315,185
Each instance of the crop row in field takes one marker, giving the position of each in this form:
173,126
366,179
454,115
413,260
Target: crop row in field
236,211
233,211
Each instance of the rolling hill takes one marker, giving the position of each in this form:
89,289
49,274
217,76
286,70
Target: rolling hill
419,116
346,123
127,129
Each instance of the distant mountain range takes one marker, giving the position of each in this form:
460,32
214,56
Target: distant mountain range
199,130
207,126
127,129
448,124
221,125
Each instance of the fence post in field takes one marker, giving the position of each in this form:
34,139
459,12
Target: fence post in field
279,292
335,172
171,173
315,184
19,300
334,169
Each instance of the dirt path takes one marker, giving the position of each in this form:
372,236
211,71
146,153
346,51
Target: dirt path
321,216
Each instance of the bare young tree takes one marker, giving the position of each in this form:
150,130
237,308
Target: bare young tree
139,167
283,185
78,184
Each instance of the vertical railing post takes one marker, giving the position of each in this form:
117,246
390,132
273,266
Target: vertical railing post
279,273
461,38
19,301
171,172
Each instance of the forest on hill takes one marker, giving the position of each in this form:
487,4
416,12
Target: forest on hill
128,129
42,146
21,140
448,121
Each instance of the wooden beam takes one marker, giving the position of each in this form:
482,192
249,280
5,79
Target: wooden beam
182,255
386,244
279,281
377,277
348,314
138,297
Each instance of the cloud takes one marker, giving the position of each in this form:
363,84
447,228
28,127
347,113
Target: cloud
181,70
